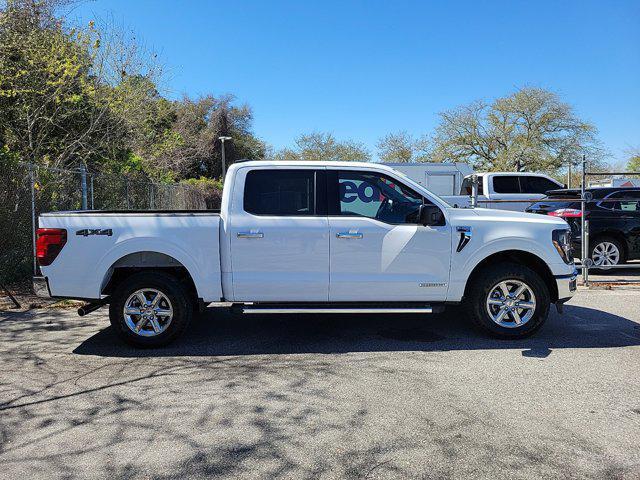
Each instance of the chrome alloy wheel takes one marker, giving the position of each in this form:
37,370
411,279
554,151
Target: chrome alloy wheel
511,303
148,312
605,254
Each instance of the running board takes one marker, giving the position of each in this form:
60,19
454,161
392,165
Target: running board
267,310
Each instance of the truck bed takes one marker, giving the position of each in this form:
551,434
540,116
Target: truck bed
99,241
131,212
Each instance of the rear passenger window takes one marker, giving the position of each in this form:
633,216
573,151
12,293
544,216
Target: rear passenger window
280,192
532,184
506,184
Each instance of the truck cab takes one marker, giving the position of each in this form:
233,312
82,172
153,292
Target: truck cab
505,190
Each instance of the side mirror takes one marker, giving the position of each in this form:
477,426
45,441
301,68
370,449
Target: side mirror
430,215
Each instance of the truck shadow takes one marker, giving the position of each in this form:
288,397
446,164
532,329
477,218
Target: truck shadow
226,334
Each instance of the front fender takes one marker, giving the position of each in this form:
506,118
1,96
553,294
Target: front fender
498,245
463,265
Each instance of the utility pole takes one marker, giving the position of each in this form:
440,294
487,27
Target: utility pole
32,180
83,185
224,165
584,225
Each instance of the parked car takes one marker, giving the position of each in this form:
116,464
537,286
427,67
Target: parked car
505,190
614,222
309,237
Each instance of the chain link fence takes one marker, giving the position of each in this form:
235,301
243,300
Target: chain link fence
27,190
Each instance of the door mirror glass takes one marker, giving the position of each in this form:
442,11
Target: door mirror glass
430,215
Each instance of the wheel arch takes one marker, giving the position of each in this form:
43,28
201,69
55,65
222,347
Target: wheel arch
521,257
145,260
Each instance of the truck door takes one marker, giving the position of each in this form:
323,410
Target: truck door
378,251
279,235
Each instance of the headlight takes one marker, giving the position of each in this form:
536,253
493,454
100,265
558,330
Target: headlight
562,241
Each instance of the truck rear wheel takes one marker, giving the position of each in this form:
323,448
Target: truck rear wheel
508,300
150,309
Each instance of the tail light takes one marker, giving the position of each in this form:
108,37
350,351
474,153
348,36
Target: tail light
49,243
567,213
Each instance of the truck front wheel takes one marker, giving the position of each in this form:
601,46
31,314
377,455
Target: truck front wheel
508,300
150,309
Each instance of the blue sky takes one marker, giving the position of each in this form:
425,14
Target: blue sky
361,69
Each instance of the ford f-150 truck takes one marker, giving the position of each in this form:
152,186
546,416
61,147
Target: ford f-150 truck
309,237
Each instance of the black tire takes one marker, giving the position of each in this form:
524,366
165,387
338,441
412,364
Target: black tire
483,285
181,303
607,239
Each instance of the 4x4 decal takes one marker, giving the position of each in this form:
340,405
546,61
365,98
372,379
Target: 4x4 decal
94,231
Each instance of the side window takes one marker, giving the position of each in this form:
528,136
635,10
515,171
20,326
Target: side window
506,184
377,196
280,192
629,204
531,184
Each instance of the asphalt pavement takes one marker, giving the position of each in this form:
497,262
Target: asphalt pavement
313,396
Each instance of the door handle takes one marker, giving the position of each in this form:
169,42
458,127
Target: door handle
250,235
349,235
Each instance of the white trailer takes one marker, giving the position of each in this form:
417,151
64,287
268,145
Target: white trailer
443,179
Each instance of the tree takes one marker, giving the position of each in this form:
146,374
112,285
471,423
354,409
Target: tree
633,164
531,129
191,147
73,95
402,147
324,146
50,108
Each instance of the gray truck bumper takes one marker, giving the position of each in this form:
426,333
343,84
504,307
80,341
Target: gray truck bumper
567,286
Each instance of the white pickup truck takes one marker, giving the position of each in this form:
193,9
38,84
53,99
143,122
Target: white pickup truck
505,190
309,237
